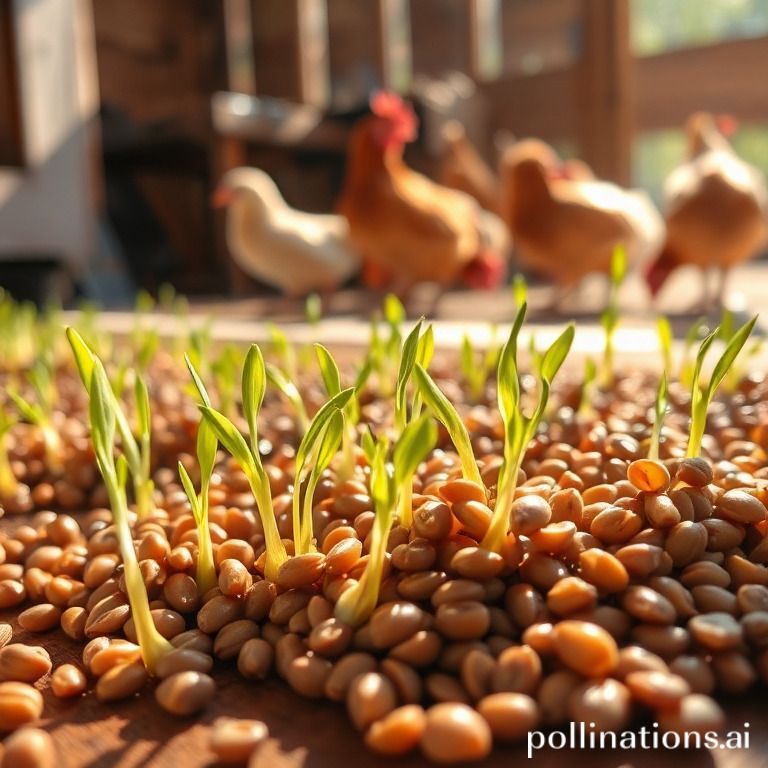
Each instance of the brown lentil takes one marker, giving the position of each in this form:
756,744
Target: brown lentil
606,703
455,733
370,697
19,704
183,660
121,682
254,662
344,671
234,741
398,732
586,648
68,681
393,623
24,663
29,748
715,631
185,693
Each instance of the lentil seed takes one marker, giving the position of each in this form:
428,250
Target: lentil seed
185,693
29,748
455,733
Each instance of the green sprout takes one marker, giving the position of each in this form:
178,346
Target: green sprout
701,396
407,361
103,413
425,350
284,352
285,386
145,350
314,455
587,387
659,412
736,371
694,334
8,482
444,411
329,372
384,354
519,291
313,309
418,349
254,383
137,454
40,411
476,369
609,319
356,604
198,345
519,429
224,371
206,447
664,331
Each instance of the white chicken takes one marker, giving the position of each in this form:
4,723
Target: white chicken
293,251
716,208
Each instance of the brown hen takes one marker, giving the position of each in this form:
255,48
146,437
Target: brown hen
716,207
409,229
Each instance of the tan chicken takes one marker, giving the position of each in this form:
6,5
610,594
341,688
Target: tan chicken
296,252
715,206
409,229
463,168
564,223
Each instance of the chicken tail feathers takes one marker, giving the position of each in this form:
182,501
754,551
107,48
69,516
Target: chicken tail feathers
659,270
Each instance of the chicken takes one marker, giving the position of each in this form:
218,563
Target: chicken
407,228
462,168
564,223
715,207
298,253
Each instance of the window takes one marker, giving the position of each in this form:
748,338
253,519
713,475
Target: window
657,153
661,25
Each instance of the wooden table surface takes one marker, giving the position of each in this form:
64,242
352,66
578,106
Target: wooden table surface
312,734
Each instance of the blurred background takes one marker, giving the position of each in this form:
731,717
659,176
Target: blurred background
118,118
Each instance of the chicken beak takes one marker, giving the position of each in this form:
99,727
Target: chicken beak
222,197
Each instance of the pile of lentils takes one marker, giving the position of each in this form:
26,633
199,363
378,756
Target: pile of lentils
627,589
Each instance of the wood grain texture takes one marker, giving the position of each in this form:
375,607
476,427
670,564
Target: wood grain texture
137,733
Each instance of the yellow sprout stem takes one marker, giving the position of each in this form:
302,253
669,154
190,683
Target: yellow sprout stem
205,571
8,482
499,527
275,549
153,645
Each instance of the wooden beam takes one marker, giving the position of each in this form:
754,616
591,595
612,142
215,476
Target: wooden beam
11,129
238,43
394,55
540,105
485,46
311,38
441,42
726,77
605,106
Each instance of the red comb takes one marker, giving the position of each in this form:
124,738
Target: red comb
727,124
386,104
390,107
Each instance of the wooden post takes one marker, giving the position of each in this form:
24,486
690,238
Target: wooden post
238,44
605,107
485,45
11,137
312,52
393,57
